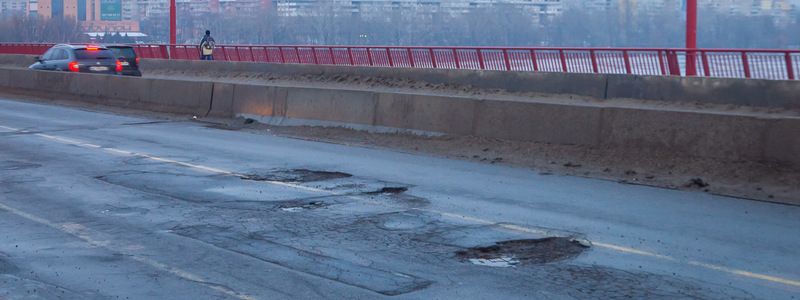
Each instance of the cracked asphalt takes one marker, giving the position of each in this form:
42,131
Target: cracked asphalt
96,205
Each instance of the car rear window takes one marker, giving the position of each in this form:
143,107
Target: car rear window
94,54
124,52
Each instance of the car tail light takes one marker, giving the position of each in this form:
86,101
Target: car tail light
137,60
119,66
92,48
74,67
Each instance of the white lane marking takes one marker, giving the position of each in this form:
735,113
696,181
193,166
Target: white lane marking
617,248
79,231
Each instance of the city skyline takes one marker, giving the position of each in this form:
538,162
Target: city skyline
141,18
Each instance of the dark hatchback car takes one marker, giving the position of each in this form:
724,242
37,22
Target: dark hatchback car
127,58
78,58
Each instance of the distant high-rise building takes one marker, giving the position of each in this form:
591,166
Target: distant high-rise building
13,6
363,7
94,16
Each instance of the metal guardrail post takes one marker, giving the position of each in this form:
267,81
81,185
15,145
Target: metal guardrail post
455,59
534,60
165,54
672,63
508,62
789,66
369,57
593,56
691,63
410,57
433,57
563,58
661,62
627,59
745,65
350,55
706,66
480,60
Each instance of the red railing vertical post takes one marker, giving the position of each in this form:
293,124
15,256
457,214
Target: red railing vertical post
745,64
455,59
280,52
706,68
350,55
297,54
563,57
535,62
333,58
661,62
224,52
314,53
252,54
789,65
173,23
593,56
389,55
505,58
369,57
481,63
433,57
627,60
691,37
672,63
165,54
410,57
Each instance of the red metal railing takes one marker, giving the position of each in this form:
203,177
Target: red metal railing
734,63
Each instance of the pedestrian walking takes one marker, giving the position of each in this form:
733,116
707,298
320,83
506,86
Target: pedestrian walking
207,45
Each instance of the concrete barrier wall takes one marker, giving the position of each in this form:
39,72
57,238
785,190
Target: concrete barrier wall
172,96
681,133
16,60
726,91
729,91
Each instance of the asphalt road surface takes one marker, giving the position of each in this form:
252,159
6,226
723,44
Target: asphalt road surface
96,205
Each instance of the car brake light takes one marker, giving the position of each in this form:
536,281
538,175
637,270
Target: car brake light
137,60
74,67
92,48
119,66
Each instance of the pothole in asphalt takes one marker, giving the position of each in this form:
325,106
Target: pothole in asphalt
397,195
389,190
400,221
124,211
296,176
530,251
302,206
